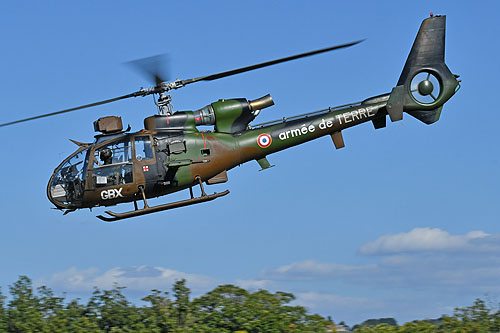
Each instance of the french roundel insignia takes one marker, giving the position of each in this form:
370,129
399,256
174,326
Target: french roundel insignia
264,140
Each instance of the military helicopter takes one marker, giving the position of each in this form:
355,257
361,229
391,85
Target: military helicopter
171,154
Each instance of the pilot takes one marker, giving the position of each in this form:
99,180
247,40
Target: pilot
106,156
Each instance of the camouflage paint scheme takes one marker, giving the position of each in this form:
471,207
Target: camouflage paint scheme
183,155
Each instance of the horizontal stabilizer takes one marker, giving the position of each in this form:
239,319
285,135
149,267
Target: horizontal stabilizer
427,116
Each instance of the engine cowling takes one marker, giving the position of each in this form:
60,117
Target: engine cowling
234,115
228,116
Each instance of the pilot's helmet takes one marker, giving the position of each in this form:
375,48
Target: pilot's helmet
105,155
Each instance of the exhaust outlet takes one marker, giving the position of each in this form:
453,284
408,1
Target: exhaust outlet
261,103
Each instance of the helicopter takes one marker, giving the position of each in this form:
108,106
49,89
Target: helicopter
171,154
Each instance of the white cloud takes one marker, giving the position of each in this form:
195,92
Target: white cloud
254,284
141,278
432,239
426,267
311,270
421,258
354,310
314,300
444,272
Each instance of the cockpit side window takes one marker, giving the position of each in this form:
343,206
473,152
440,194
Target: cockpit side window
68,183
119,174
143,150
112,164
113,153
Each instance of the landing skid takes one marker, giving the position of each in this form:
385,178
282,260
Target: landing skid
148,210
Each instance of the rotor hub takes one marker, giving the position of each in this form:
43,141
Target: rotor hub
425,87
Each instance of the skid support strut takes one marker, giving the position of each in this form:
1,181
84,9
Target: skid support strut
148,210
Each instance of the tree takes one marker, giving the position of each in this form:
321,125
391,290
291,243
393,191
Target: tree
220,310
475,318
227,308
23,310
375,322
77,319
419,326
159,315
3,313
181,303
230,308
52,310
111,310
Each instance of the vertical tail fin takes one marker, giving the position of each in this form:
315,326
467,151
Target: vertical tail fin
425,83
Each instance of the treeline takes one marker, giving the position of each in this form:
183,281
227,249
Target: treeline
477,318
227,308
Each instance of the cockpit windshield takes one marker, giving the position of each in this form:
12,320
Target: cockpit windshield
68,182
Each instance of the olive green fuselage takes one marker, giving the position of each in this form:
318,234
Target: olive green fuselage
180,155
211,153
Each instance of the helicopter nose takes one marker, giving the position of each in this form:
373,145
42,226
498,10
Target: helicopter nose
66,186
57,193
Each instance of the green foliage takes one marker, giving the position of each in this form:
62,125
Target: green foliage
375,322
477,318
227,308
23,312
112,311
3,313
159,316
181,303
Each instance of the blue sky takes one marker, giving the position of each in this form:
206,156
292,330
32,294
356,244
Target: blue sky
403,222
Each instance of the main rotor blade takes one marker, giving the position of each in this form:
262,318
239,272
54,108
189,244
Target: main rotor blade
154,65
135,94
155,68
265,64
